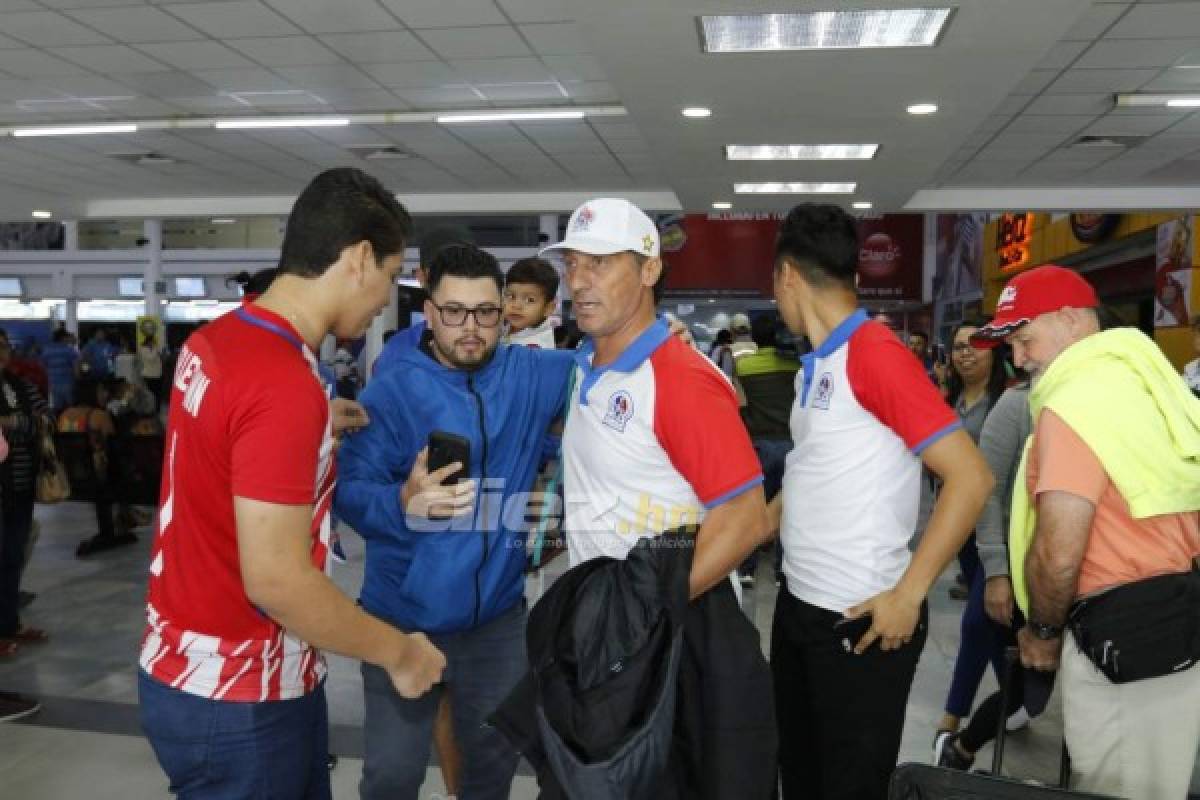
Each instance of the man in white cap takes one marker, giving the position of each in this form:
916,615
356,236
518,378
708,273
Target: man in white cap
653,440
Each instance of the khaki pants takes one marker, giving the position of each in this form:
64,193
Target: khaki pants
1134,740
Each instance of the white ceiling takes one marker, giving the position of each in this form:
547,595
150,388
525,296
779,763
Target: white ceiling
1017,80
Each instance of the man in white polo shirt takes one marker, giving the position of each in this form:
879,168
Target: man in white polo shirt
653,440
850,625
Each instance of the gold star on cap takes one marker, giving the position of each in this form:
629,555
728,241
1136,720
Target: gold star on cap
647,243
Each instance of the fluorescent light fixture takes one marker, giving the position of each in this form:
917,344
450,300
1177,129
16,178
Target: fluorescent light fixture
922,108
39,214
696,112
862,205
1159,99
509,116
222,221
796,187
280,122
800,152
74,130
822,30
722,205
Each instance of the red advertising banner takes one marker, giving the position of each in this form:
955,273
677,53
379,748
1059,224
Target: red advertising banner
891,257
719,251
737,251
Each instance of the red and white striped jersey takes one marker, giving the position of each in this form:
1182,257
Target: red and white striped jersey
248,418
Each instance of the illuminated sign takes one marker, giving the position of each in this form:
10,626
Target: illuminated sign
1014,232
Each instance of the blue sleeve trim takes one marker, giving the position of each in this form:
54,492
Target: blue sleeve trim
946,431
745,487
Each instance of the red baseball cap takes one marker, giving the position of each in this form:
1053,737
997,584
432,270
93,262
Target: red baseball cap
1031,294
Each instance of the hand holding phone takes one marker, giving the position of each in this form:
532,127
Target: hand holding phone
435,493
446,449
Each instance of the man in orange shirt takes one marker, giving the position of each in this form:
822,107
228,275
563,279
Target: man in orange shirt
1137,737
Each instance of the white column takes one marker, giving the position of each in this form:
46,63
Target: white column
153,275
72,321
70,235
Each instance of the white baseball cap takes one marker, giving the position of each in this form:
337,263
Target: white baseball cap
606,225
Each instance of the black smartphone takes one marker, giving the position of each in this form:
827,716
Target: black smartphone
853,630
448,448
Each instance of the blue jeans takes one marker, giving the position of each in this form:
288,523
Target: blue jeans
772,457
981,641
482,667
248,751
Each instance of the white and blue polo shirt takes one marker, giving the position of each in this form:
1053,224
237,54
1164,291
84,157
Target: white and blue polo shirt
652,441
863,414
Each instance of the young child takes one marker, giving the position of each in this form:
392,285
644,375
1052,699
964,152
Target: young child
530,297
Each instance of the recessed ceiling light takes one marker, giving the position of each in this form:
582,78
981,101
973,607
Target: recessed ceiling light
799,152
39,214
509,116
797,187
922,108
823,30
74,130
862,205
280,122
1159,99
722,205
697,112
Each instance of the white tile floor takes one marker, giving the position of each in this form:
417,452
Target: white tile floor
85,742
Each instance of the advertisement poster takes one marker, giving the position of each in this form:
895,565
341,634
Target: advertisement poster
1173,273
151,333
736,252
959,258
890,257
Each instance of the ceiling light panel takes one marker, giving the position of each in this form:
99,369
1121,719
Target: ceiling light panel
823,30
531,116
271,122
800,152
794,188
74,130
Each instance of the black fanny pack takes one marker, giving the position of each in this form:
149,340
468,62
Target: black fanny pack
1144,629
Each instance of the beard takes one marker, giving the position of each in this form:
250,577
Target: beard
458,358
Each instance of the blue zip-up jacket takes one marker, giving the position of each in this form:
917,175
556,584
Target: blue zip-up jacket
460,575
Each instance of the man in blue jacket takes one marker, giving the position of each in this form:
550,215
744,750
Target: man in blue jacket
449,560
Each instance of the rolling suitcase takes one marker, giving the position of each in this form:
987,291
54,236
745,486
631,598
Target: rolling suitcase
928,782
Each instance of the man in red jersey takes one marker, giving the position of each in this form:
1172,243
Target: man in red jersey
231,681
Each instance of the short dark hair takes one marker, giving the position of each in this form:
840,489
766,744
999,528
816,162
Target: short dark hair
821,241
464,261
535,272
338,209
922,334
763,330
61,335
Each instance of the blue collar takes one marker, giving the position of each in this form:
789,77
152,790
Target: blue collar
630,358
246,315
841,334
837,337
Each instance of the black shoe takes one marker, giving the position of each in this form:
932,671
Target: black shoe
14,706
958,592
946,754
331,762
25,598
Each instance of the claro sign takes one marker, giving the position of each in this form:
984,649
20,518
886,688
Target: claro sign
890,257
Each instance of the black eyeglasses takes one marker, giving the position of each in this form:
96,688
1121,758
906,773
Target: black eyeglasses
455,315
